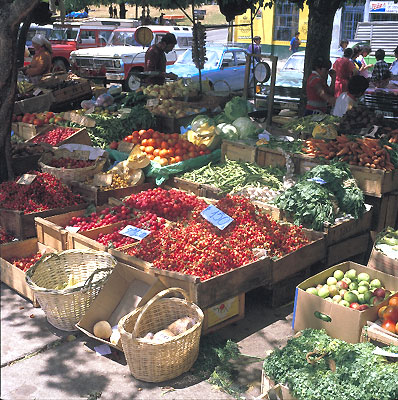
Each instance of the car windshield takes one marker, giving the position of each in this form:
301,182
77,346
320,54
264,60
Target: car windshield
63,34
295,63
123,39
212,59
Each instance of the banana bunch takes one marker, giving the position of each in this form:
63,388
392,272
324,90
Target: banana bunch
72,281
204,135
24,87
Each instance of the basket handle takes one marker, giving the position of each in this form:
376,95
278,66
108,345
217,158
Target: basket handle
29,273
89,281
154,299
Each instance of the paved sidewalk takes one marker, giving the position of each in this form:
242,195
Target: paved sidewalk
38,361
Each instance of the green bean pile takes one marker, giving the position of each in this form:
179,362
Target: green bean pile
236,175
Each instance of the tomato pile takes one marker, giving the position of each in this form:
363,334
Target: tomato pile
4,236
196,247
147,221
171,204
389,315
165,148
70,163
55,136
25,263
38,119
44,193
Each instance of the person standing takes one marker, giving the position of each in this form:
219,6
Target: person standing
114,12
394,65
255,48
343,45
364,70
110,9
381,71
295,43
344,68
155,60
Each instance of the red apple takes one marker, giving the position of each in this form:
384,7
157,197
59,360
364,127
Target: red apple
379,292
362,307
355,306
342,285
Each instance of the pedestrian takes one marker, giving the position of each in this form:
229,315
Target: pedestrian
114,12
295,43
394,65
320,95
344,68
343,45
155,60
364,70
255,48
381,71
357,86
161,18
357,50
110,9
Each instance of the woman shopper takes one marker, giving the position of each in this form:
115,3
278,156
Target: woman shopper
364,70
344,71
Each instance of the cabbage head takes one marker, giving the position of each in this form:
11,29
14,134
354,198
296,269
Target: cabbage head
200,120
247,128
227,131
235,108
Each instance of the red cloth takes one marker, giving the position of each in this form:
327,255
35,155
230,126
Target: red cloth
344,68
155,60
314,84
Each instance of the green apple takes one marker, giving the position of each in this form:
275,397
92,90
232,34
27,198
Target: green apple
338,274
355,291
362,289
333,290
323,292
351,297
353,286
368,295
346,280
337,298
344,303
375,283
351,273
329,299
331,281
343,292
364,283
363,276
312,290
361,298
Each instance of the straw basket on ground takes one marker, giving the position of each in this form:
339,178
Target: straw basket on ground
66,283
152,361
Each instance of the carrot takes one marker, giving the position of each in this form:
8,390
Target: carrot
343,151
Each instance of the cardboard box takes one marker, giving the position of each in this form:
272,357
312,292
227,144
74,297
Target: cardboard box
271,390
346,323
126,289
381,262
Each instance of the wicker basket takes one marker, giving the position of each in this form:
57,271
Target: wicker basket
156,362
64,308
68,175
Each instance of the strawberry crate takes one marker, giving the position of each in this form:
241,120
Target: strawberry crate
79,137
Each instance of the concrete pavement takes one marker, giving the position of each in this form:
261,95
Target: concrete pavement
39,361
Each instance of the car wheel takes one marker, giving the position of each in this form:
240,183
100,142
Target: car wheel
60,65
133,82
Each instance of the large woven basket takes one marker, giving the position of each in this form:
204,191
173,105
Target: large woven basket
64,308
156,362
68,175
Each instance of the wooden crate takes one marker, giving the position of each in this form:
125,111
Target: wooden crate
15,127
273,157
34,104
372,332
22,225
238,151
22,165
13,276
385,212
72,92
224,314
99,197
381,262
27,131
80,119
271,390
172,124
373,182
201,190
79,137
347,249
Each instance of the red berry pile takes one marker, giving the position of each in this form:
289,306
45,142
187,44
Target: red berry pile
55,136
44,193
147,221
196,247
171,204
4,236
25,263
70,163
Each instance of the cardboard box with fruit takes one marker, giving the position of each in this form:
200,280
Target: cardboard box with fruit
342,299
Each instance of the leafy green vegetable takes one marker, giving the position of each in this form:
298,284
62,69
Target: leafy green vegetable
247,128
359,374
235,108
307,124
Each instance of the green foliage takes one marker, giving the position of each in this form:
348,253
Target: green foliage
359,374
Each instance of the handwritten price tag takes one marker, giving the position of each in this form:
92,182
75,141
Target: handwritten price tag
37,92
134,232
152,102
26,179
216,217
72,229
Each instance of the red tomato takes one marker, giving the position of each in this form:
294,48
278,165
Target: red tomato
171,152
141,132
393,301
156,152
150,131
391,314
178,158
175,136
164,145
144,142
149,149
151,142
389,326
129,139
163,153
142,148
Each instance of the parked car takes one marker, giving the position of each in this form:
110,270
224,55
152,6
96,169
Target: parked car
34,29
224,67
123,59
288,82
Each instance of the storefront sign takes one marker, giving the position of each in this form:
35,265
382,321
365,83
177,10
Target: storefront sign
387,7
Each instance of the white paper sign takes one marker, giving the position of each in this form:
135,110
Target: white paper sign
102,179
26,179
385,353
102,350
152,102
36,92
134,232
95,152
73,229
216,217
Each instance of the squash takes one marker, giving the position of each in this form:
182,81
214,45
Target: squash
102,329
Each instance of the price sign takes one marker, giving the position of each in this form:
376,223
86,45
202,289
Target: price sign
134,232
73,229
317,180
36,92
152,102
102,179
82,154
26,179
216,217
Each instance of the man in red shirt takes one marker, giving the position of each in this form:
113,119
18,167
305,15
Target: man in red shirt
155,60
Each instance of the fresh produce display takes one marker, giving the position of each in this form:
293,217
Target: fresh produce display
367,152
262,194
170,204
4,236
308,123
387,243
196,247
25,90
349,289
389,315
233,176
172,89
44,193
172,109
27,149
321,195
203,131
54,136
25,263
65,162
118,182
315,366
357,118
165,149
39,119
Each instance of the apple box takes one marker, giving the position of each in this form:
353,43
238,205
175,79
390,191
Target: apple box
312,311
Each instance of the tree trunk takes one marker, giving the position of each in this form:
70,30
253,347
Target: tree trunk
23,33
11,15
319,37
122,12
